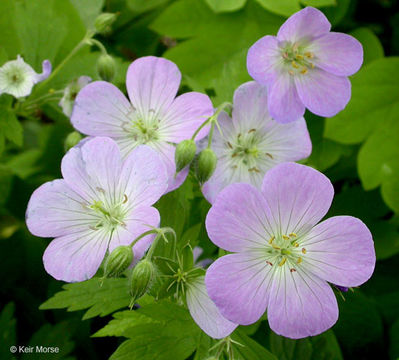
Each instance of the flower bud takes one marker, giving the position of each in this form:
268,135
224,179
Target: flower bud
103,22
141,279
71,140
118,261
106,67
206,165
185,152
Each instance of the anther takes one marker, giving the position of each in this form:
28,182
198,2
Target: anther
285,237
100,190
304,70
291,72
234,166
276,247
124,199
292,270
271,239
254,169
285,55
295,244
294,65
269,155
299,260
282,262
299,57
93,228
303,251
229,145
292,235
311,65
309,55
252,130
269,263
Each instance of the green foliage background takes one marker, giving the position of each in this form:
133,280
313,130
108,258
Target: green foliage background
208,39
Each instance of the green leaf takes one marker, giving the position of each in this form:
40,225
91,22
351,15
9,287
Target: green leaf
140,6
289,7
320,347
225,5
217,37
371,117
7,328
10,127
172,336
8,36
374,98
359,323
251,350
88,10
51,336
325,152
122,321
372,47
47,29
99,300
281,7
378,159
394,341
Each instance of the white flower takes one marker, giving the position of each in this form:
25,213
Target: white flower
17,77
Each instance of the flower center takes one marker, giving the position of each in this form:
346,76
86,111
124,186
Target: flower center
285,250
143,129
297,59
110,216
245,150
15,76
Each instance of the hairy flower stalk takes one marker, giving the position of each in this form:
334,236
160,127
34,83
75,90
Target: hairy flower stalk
283,258
305,66
103,202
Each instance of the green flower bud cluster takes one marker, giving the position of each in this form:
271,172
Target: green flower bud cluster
103,23
106,67
184,155
118,261
71,140
206,165
142,277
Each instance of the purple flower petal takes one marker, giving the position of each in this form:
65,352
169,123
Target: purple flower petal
298,197
237,220
249,110
76,256
308,23
167,153
341,251
204,311
263,59
143,178
152,84
239,285
284,103
185,115
55,210
46,71
302,304
323,93
337,53
137,222
101,110
93,168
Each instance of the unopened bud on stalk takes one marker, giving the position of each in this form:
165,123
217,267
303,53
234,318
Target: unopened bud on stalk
206,165
71,140
185,152
103,22
141,279
106,67
118,261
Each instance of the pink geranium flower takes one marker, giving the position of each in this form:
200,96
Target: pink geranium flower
305,66
283,257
